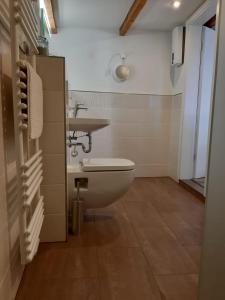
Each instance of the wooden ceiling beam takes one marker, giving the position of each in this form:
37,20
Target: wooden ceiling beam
132,15
51,16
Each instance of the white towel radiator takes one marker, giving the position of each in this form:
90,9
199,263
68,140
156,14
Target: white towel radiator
24,31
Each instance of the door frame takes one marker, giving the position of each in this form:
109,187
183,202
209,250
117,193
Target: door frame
212,271
199,105
193,48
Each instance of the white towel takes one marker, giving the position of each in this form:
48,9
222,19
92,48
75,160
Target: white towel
35,102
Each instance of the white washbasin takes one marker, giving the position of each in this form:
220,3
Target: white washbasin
87,124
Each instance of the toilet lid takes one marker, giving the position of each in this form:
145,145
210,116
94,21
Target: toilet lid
107,164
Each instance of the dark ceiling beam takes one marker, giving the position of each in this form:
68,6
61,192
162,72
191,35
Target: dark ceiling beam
132,15
51,15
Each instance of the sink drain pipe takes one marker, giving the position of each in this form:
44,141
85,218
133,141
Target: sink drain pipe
73,142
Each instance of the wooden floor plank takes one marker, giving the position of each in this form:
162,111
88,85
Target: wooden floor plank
145,246
186,234
181,287
195,254
125,275
61,289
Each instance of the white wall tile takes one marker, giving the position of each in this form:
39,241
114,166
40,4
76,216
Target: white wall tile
153,151
141,128
53,76
175,137
52,143
55,194
53,106
52,139
119,130
54,169
152,170
155,130
54,228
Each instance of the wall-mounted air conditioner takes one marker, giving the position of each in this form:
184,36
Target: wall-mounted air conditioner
178,40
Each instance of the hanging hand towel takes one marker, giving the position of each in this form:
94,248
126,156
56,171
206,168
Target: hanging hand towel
35,103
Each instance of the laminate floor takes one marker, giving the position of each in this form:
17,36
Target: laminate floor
144,247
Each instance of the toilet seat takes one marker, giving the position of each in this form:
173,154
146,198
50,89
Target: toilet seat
106,164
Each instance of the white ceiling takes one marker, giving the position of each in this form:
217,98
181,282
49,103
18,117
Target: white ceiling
109,14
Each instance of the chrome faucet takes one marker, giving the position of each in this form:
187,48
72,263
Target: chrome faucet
78,107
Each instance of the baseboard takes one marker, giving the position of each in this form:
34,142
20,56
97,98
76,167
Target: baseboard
192,190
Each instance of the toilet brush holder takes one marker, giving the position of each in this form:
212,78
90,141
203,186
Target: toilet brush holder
77,212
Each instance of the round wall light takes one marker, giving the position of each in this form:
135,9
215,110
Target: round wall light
122,72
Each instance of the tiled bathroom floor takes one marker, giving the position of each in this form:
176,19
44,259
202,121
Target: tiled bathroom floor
144,247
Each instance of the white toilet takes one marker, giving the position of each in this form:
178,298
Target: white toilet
102,181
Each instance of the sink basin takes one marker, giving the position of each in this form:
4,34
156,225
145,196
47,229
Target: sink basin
87,124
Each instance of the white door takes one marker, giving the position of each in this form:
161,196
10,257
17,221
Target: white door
204,101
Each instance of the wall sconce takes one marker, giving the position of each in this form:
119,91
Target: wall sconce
120,71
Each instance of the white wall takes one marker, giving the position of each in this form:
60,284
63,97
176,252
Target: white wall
175,128
140,108
191,71
204,101
88,54
185,80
